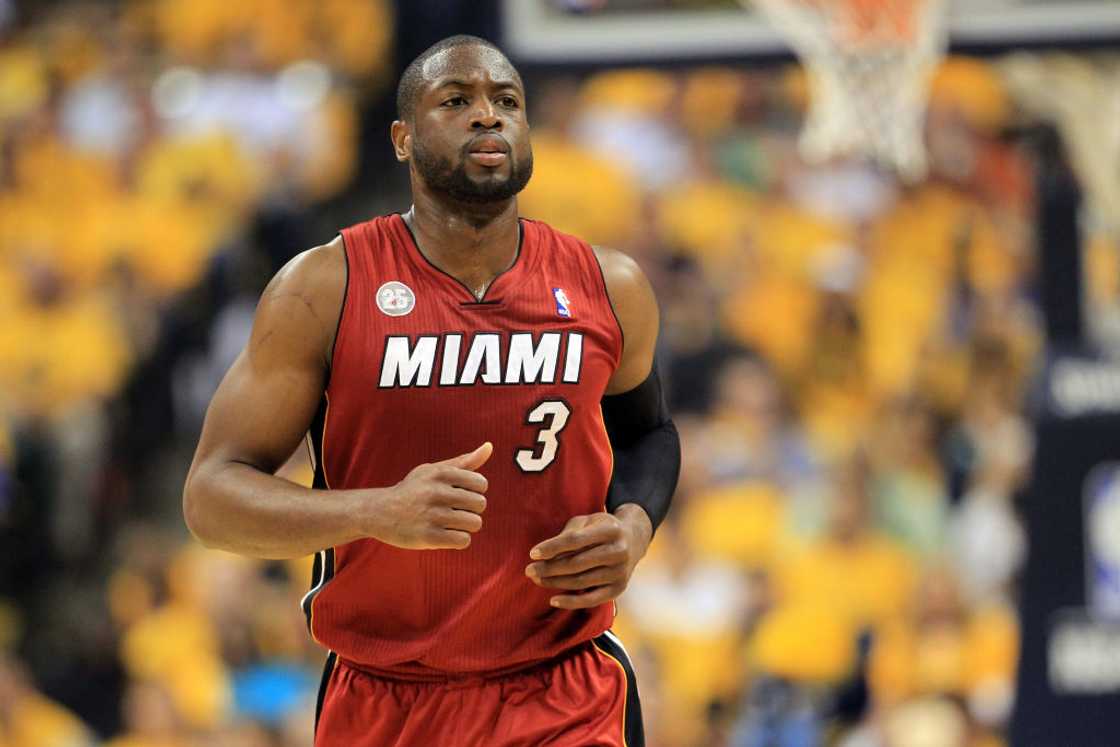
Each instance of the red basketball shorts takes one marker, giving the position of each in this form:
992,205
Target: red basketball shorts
585,698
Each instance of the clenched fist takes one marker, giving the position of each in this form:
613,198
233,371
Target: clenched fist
436,506
592,558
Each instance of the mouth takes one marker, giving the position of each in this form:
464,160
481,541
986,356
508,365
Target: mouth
488,150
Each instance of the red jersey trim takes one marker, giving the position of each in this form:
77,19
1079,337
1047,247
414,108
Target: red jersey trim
610,305
339,328
418,257
323,440
610,449
326,559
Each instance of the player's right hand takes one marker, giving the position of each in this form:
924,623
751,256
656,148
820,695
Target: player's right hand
436,506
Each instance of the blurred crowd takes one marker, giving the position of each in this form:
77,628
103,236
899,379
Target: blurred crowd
159,160
847,357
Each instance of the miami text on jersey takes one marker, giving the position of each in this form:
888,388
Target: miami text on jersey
491,358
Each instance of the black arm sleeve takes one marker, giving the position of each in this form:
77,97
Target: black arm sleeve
647,449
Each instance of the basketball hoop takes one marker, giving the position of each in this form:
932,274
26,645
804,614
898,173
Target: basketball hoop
1081,96
869,64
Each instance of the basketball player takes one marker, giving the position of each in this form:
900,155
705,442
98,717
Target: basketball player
491,447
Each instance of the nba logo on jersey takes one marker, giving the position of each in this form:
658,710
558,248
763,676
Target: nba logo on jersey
562,302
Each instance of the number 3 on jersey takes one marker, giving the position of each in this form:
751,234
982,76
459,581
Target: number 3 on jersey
553,413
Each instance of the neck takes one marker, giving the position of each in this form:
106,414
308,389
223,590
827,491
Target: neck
473,243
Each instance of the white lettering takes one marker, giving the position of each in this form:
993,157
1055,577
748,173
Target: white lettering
404,367
450,366
1080,387
527,365
489,360
484,355
1084,657
573,359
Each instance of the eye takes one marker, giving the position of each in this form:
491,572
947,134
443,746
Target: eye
455,100
509,101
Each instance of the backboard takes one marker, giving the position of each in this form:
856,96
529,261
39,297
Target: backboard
574,31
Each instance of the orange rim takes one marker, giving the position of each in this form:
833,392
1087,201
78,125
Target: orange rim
863,22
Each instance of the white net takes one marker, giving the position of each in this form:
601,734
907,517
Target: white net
869,64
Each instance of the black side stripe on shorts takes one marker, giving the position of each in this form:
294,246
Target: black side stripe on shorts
633,732
328,668
322,570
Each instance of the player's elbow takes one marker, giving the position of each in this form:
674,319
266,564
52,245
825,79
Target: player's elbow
196,513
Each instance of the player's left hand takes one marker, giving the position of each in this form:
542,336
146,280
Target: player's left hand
592,558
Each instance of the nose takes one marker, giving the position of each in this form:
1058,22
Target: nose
485,117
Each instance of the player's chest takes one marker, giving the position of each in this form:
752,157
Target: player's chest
413,337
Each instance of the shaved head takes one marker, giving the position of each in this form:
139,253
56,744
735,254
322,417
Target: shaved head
461,123
426,67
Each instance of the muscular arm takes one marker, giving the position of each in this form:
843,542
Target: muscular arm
260,414
644,440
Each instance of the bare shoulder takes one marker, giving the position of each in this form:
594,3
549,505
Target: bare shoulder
635,305
619,270
628,287
305,299
315,275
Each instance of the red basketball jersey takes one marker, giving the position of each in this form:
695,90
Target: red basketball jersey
422,372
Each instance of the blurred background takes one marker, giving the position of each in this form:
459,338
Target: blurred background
890,394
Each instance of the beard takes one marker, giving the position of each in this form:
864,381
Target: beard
451,179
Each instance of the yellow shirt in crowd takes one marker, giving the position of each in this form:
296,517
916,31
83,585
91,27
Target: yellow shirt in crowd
36,721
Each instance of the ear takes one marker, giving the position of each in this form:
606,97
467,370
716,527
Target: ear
401,135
